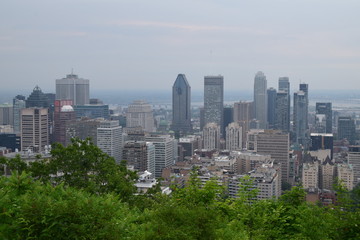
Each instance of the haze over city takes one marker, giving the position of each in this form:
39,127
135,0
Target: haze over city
145,44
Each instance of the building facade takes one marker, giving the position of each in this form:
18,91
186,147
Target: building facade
109,139
260,99
213,99
73,88
211,136
140,114
233,137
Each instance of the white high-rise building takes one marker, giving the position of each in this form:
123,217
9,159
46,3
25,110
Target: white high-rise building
140,114
34,128
354,160
233,137
345,173
211,136
18,104
165,154
310,176
73,88
260,99
109,139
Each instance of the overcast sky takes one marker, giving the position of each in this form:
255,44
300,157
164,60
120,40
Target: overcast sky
145,44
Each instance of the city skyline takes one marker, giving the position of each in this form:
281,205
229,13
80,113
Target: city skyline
124,45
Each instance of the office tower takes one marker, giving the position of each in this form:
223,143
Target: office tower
18,104
140,155
213,99
92,111
228,118
354,160
6,114
211,136
34,128
109,139
37,99
310,176
63,114
73,88
305,88
346,129
283,105
233,137
271,110
322,141
181,100
243,114
83,128
140,114
202,118
260,99
345,173
301,116
275,143
134,134
165,153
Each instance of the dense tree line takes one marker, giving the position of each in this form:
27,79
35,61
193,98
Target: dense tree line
81,193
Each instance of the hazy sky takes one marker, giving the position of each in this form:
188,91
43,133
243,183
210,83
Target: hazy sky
145,44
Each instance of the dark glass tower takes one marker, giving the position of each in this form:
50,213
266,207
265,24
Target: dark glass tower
283,105
37,99
181,113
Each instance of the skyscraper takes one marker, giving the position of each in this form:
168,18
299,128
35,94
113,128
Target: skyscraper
282,121
34,128
301,129
213,99
18,104
63,114
37,99
326,109
260,99
271,110
181,100
243,114
109,139
73,88
228,118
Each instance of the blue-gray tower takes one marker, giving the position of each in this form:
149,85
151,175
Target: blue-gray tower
181,111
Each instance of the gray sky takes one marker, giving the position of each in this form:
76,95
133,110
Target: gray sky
145,44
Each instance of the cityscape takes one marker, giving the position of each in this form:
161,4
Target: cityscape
179,119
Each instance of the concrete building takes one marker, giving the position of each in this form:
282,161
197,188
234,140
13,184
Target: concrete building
248,161
265,178
34,129
181,101
140,155
73,88
63,114
354,160
260,99
275,143
233,137
325,108
109,139
243,114
310,176
18,104
345,173
140,114
327,174
188,145
213,99
211,136
165,153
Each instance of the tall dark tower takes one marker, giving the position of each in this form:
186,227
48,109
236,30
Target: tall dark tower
37,99
181,94
283,105
271,110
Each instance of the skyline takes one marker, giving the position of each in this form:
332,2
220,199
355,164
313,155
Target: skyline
123,45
